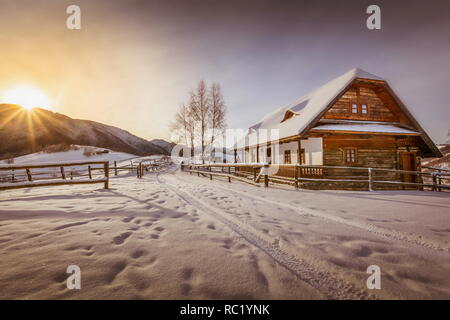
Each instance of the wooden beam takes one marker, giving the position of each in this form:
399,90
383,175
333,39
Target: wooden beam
257,153
33,184
106,167
49,165
63,175
30,178
365,132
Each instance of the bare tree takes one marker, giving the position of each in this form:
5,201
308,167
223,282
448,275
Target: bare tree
201,113
190,124
202,119
184,125
217,112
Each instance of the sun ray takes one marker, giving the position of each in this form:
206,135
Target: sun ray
36,116
11,117
31,134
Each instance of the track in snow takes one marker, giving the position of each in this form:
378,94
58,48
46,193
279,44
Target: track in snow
329,284
383,232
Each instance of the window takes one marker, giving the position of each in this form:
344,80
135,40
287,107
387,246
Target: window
364,108
359,108
289,114
350,155
287,156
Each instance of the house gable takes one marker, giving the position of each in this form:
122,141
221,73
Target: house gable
362,103
387,107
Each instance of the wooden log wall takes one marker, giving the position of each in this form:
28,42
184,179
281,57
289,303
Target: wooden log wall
371,151
377,109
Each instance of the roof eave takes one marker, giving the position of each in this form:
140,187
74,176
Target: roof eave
365,132
433,148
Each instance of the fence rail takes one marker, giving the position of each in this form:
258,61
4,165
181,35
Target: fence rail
40,179
317,173
69,173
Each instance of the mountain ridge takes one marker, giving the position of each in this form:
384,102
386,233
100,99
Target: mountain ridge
23,132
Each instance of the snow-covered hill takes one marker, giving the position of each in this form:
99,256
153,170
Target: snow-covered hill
168,146
76,153
23,132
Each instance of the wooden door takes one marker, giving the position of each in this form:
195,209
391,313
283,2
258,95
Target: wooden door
408,162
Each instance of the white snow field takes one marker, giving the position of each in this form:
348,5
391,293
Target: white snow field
71,155
172,235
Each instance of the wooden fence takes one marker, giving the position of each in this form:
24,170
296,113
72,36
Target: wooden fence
254,173
67,173
151,166
33,175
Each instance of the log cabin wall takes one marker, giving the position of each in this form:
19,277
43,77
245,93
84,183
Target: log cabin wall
371,151
377,109
374,151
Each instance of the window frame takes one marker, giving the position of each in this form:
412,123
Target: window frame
359,108
355,156
366,109
288,153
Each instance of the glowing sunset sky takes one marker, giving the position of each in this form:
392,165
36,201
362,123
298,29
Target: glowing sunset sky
134,62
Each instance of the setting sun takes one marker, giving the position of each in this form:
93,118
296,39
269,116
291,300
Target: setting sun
27,97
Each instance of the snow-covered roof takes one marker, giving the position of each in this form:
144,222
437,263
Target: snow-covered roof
297,118
381,128
306,108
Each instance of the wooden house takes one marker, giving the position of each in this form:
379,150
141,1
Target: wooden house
355,120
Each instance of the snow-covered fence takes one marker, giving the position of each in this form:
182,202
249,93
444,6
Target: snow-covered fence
318,174
439,176
151,165
53,174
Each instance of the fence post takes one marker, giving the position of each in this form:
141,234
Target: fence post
106,168
370,179
420,180
266,175
115,168
210,175
439,179
13,178
30,178
71,175
229,173
63,175
433,175
90,172
296,176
